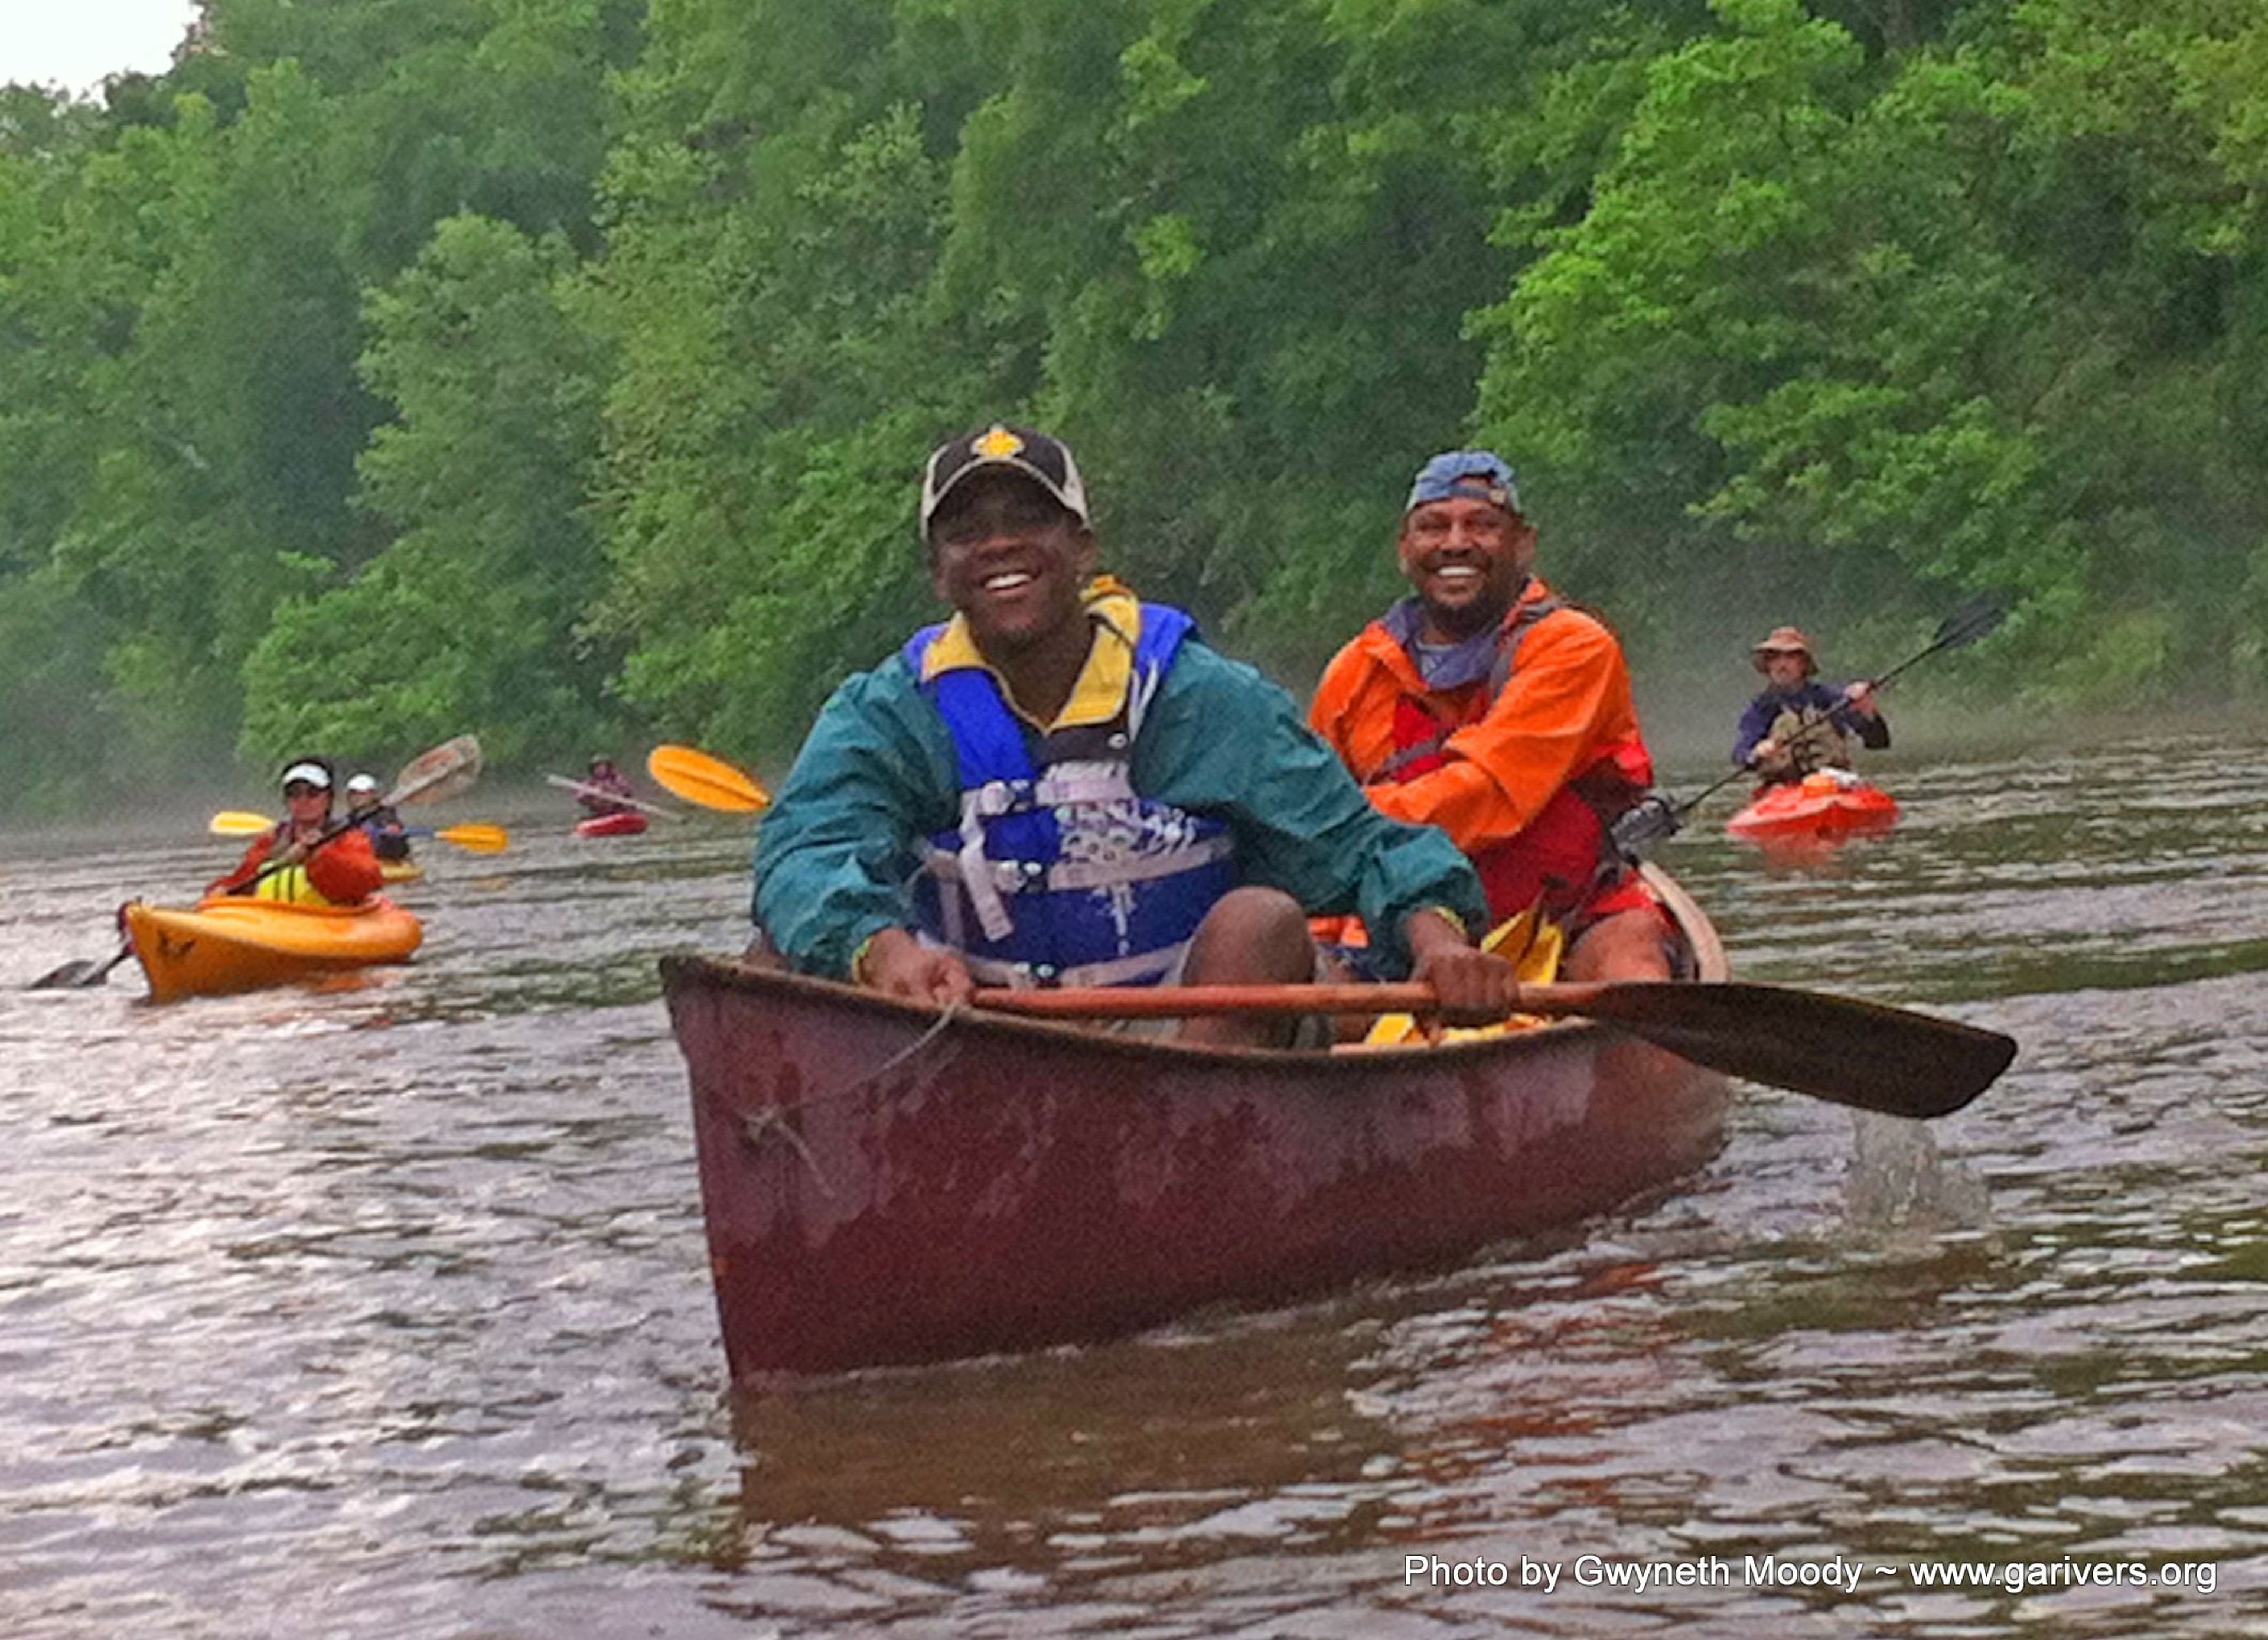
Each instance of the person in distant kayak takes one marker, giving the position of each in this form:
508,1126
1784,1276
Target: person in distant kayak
388,838
1800,724
607,783
1483,705
1065,786
315,864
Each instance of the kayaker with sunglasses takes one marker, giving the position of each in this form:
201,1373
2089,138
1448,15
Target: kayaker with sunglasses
316,866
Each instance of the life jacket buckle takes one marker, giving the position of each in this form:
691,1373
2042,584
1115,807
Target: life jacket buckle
996,798
1018,876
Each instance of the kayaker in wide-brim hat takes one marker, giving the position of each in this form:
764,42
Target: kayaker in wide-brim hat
1782,736
1784,640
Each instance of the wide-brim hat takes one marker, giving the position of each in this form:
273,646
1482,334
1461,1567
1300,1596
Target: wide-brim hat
1784,640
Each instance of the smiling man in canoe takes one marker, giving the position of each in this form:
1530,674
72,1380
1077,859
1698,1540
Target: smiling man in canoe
1063,785
1483,705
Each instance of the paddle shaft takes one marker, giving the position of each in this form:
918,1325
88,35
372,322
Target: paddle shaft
1864,1055
1187,1001
564,784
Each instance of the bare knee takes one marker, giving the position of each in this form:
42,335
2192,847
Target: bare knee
1251,936
1629,945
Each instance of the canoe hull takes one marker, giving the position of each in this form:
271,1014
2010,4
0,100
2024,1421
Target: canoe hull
398,871
879,1190
1816,808
630,823
226,944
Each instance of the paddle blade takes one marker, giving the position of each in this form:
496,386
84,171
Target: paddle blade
238,823
1863,1054
1978,616
710,782
82,974
476,837
443,772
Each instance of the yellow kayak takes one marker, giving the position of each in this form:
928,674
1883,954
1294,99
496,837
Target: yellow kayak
400,871
236,943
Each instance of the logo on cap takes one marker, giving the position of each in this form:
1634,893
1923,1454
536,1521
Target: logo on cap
996,443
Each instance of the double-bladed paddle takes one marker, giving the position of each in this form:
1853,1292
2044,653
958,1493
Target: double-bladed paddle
476,837
443,771
1865,1055
1659,816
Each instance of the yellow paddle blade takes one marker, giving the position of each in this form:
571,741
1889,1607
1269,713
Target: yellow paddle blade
476,837
709,781
238,823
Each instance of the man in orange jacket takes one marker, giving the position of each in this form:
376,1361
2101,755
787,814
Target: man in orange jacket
1484,705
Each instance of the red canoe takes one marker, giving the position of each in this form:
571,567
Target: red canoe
627,823
881,1189
1829,804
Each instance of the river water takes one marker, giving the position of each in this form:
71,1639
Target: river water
382,1309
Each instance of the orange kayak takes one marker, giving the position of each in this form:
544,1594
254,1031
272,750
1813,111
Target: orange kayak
1829,804
234,944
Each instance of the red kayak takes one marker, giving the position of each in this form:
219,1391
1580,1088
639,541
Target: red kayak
629,822
1827,804
884,1185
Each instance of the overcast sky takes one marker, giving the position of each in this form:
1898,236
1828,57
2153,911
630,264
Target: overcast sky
74,43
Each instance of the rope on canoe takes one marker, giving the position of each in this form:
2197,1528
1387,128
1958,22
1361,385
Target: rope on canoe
756,1126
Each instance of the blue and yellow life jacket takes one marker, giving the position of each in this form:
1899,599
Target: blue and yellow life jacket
1061,873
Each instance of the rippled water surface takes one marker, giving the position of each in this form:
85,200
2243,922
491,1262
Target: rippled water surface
381,1308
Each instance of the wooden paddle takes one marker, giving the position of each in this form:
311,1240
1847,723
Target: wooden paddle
709,782
445,769
1865,1055
476,836
1660,817
601,792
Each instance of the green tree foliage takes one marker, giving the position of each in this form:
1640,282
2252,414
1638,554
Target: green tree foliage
470,615
393,367
1834,333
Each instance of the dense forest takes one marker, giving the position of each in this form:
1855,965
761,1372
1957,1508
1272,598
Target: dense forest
561,369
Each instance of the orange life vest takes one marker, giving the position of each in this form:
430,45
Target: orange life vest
1565,858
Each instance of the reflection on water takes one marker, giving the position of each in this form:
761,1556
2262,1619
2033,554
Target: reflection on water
381,1308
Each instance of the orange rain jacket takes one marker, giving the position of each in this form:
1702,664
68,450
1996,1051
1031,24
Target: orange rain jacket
343,871
1525,783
